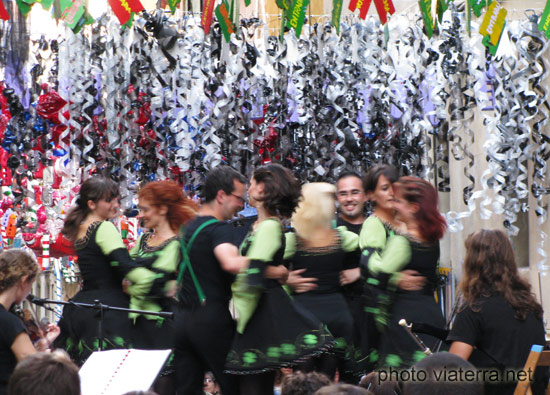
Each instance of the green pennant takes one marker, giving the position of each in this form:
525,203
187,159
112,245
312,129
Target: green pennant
24,7
85,19
247,3
173,4
46,4
282,4
425,8
296,15
442,6
477,6
487,42
544,23
337,13
224,20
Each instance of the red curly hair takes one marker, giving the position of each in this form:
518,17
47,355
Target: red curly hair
169,193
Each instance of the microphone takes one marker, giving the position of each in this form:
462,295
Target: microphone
35,300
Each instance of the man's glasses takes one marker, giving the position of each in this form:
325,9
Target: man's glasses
242,199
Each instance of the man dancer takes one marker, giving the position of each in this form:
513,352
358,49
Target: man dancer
204,327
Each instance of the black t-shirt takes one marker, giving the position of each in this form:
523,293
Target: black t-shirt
355,228
215,282
10,327
499,337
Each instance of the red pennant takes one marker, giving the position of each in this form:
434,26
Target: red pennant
122,10
206,19
364,9
3,12
384,7
353,5
135,5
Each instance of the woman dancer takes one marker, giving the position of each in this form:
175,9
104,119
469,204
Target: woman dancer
272,331
163,208
499,316
103,261
416,206
18,271
322,252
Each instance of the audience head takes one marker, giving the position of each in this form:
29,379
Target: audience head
17,269
490,268
416,202
351,196
164,200
45,373
300,383
439,366
374,384
343,389
315,210
210,384
378,186
225,187
276,189
97,195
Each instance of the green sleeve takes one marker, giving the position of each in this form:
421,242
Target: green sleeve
266,241
373,234
134,251
393,258
350,241
290,245
145,280
108,238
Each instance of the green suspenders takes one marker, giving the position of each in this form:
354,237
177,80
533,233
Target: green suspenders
186,262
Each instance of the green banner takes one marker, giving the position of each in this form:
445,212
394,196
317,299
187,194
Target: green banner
224,20
442,6
477,6
282,4
337,13
296,15
173,4
426,8
544,23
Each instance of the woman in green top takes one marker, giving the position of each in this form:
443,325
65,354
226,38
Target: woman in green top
272,331
163,208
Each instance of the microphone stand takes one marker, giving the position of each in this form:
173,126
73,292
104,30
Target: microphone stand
101,309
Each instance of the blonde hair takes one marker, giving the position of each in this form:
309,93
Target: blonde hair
316,209
14,265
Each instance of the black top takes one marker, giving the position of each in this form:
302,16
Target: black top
424,259
10,327
215,282
355,228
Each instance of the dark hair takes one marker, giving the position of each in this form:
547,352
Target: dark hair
371,179
14,265
169,193
431,223
348,173
45,373
220,178
282,190
377,386
490,268
433,366
94,189
342,389
300,383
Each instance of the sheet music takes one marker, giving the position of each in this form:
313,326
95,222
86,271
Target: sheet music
116,372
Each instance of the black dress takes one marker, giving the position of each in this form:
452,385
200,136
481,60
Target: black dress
103,261
327,301
278,332
397,348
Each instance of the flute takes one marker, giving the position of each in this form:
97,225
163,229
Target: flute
418,340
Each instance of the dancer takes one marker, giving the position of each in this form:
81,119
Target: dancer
500,319
103,261
204,326
416,206
323,252
163,208
18,270
272,331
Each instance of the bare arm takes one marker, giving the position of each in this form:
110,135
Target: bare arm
22,346
461,349
230,260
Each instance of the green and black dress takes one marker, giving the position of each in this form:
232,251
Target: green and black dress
103,261
383,253
327,301
148,290
272,330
